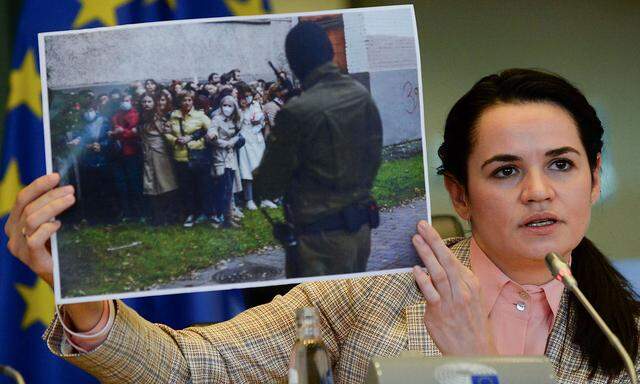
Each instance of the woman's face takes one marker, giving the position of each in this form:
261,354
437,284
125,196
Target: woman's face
246,99
162,102
210,88
187,103
150,86
147,103
530,188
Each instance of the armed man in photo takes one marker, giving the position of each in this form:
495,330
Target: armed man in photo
322,156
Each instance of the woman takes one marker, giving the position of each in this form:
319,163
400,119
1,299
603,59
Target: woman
192,159
127,159
224,134
151,87
250,155
271,108
158,179
165,104
521,160
92,142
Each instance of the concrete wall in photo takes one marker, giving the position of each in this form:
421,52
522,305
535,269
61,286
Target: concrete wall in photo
397,98
380,40
383,44
183,51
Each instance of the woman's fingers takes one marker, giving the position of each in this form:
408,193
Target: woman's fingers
449,263
40,257
438,275
46,212
46,198
426,286
27,195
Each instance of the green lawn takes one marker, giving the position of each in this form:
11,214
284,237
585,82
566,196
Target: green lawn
398,181
165,253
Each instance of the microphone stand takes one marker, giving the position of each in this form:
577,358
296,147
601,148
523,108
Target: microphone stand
560,270
12,373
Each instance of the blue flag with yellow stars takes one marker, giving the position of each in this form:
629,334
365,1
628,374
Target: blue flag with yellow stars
26,302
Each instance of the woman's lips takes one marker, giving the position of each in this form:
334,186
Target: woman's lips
541,230
541,227
540,223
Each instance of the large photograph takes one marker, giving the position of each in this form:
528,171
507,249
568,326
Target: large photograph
235,152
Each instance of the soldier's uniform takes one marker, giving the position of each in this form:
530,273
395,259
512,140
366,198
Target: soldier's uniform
322,156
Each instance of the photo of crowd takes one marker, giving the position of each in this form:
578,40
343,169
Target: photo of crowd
181,152
262,149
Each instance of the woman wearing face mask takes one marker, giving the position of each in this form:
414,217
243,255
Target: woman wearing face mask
250,155
224,134
158,178
92,145
127,159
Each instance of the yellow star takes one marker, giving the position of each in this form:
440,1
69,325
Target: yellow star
39,300
245,7
24,85
171,3
102,10
9,187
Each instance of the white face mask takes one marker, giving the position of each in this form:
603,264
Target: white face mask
249,99
227,110
90,115
125,105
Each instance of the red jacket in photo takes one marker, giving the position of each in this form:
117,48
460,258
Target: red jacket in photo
130,140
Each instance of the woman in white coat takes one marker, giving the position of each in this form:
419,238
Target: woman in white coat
250,155
224,135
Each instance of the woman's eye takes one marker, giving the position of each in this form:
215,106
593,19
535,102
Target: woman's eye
505,172
561,164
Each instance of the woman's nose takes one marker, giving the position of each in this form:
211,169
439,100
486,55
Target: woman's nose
536,187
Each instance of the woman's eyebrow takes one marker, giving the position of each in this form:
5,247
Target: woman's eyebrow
505,157
501,158
561,151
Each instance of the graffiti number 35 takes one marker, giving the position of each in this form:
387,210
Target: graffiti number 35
411,97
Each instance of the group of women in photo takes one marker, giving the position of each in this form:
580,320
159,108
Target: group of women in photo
180,153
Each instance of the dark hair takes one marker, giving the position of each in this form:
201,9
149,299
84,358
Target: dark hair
225,78
210,78
243,88
608,291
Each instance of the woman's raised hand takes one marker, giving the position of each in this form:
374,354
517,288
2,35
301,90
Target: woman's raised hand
453,314
30,224
29,229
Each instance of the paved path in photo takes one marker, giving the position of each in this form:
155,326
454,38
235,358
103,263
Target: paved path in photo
391,248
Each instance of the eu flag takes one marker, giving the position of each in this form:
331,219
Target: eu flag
26,302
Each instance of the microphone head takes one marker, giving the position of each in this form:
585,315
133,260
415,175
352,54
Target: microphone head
560,270
554,263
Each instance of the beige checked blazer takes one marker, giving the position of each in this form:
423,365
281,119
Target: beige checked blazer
363,317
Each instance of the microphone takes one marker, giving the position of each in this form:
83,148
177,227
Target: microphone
6,370
561,271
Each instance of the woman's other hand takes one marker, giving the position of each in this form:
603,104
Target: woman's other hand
29,228
453,314
30,224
